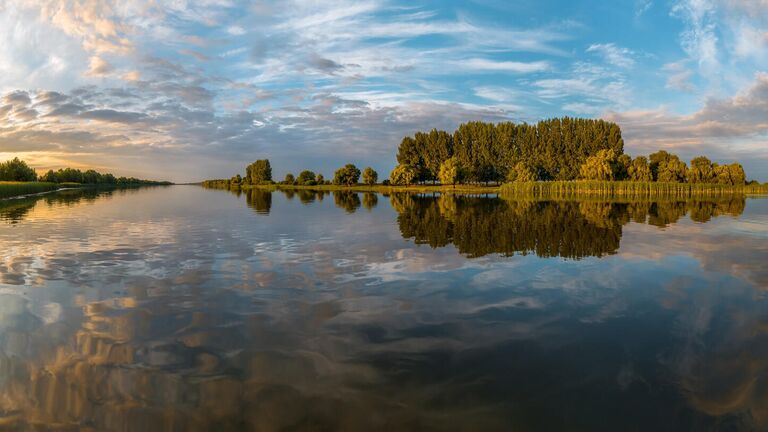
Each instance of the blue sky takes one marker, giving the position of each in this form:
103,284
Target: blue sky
187,90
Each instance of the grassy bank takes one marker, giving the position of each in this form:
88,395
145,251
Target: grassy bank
610,189
14,189
18,189
552,189
420,188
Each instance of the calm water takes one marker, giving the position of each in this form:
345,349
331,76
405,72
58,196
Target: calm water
184,309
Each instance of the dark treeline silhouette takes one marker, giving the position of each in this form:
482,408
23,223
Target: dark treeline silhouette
480,226
18,170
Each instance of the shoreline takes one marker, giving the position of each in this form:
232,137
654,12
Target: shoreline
67,187
553,189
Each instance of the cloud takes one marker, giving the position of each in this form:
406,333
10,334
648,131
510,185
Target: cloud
486,65
727,128
617,56
679,76
99,67
699,39
219,77
324,65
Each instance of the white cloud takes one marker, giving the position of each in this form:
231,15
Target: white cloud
486,65
615,55
679,77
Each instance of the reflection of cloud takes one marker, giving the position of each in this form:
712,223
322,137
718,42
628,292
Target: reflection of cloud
197,316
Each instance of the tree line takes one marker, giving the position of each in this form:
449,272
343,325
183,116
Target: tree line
560,149
557,149
260,173
19,171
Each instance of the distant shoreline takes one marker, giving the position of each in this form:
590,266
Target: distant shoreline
20,190
578,188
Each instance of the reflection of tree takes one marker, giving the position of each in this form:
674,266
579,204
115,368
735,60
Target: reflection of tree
479,226
349,201
259,200
15,210
370,200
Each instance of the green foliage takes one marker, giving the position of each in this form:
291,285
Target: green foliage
672,170
320,179
348,175
370,176
554,148
622,166
289,179
17,170
600,167
639,171
259,172
306,177
20,171
13,189
521,173
450,171
732,174
701,170
402,175
608,189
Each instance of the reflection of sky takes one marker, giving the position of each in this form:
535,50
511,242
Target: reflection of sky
319,316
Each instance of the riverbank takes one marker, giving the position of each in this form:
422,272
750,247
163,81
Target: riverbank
628,189
553,189
379,188
14,190
20,189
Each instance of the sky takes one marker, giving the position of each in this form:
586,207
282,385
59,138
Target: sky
185,90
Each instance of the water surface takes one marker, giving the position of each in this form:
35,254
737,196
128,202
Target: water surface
184,309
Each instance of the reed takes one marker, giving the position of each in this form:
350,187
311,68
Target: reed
612,189
14,189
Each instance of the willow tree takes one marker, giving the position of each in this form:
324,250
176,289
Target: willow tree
599,166
639,171
450,171
402,175
701,170
520,173
672,170
732,174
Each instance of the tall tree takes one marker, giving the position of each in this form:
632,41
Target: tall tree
259,172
